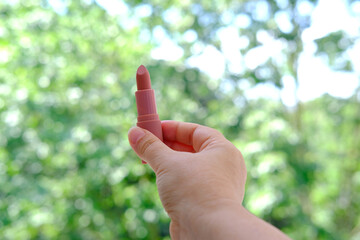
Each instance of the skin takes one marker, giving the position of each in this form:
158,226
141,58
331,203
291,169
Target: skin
201,178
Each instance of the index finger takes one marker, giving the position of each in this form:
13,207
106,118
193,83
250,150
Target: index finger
192,134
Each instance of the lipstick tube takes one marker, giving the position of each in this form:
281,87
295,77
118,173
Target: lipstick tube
147,115
146,104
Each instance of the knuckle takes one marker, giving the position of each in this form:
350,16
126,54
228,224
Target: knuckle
233,149
146,145
216,133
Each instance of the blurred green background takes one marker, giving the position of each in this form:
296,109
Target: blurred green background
67,83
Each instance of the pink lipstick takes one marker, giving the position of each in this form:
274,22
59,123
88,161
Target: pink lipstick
146,105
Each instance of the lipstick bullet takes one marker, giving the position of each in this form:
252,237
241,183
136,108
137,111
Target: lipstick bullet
146,104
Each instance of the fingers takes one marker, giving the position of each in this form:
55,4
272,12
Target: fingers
179,146
178,136
149,148
191,134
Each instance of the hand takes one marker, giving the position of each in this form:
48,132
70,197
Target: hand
200,177
197,169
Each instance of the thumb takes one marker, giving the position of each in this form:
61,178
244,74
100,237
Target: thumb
148,147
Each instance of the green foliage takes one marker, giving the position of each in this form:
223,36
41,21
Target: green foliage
333,48
67,101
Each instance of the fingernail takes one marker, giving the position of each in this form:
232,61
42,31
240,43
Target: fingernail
135,134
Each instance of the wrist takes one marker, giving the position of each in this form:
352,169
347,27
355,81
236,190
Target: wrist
213,221
229,220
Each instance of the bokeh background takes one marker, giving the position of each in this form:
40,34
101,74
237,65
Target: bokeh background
279,78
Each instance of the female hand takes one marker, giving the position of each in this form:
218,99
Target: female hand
201,180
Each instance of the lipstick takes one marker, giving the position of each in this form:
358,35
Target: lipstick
146,105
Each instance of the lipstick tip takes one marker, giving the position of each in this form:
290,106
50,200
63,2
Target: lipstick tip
141,70
143,78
